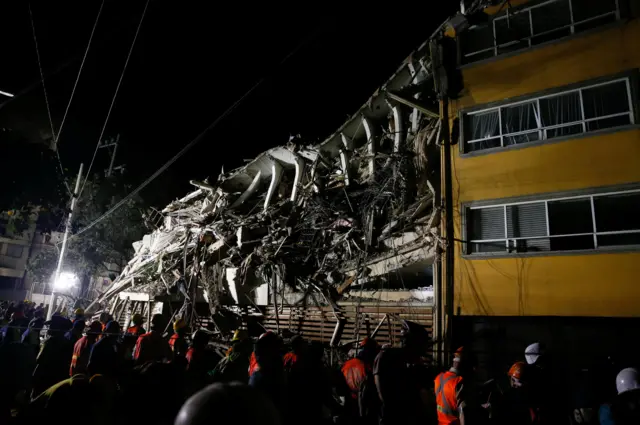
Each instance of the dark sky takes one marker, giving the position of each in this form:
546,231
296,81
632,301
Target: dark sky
192,60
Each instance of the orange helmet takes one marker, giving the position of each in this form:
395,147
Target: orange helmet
517,371
459,354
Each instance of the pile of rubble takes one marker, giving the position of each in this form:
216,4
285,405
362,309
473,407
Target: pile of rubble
328,221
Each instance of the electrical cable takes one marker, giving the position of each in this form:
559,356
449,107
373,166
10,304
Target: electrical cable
46,99
75,84
113,100
192,143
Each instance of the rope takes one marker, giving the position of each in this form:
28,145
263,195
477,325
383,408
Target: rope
46,98
113,100
73,91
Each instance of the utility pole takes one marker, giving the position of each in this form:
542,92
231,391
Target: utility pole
113,153
74,200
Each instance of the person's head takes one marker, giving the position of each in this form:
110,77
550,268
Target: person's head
58,325
200,339
228,403
267,348
534,354
137,319
518,375
94,329
415,337
79,313
298,344
180,327
369,349
463,360
112,329
38,314
78,327
316,351
158,323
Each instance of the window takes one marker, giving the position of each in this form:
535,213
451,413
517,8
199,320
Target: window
14,251
520,28
553,225
589,108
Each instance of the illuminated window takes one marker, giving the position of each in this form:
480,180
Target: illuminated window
584,222
565,113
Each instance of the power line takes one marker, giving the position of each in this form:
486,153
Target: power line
113,100
191,143
86,52
46,98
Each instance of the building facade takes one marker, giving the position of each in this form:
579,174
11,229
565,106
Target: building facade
545,172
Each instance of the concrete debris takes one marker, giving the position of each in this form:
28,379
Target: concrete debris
332,221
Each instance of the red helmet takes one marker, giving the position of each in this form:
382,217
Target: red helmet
517,371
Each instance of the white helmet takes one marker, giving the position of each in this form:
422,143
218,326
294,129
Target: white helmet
533,352
627,380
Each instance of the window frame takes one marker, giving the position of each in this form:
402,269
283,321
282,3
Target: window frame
527,9
629,77
581,195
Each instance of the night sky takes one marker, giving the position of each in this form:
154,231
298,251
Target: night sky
191,62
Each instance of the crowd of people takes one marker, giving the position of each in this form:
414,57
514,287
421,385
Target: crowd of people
99,373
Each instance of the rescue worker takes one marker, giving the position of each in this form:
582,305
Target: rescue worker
268,377
450,398
52,364
18,324
514,407
200,360
152,347
82,349
358,374
228,403
178,341
298,348
75,333
107,356
253,362
626,407
79,316
234,366
400,380
136,328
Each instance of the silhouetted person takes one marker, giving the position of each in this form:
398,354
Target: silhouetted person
52,364
106,356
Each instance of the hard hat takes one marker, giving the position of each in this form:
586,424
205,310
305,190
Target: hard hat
137,319
517,371
179,324
627,380
533,352
459,354
239,335
369,343
79,312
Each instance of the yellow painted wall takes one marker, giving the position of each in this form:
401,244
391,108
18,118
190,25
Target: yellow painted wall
603,284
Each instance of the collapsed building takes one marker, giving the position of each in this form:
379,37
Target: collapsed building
334,241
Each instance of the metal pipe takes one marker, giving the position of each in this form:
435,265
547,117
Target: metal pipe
276,174
371,146
398,132
296,181
249,192
344,160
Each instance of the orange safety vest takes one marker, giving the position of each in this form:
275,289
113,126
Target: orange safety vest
355,373
445,389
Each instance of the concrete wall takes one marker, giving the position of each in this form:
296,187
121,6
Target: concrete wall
568,283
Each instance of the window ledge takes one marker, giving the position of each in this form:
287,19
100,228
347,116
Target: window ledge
616,24
500,255
549,141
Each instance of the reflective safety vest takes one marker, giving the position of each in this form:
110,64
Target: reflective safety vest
445,389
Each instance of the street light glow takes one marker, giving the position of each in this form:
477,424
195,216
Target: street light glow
65,281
